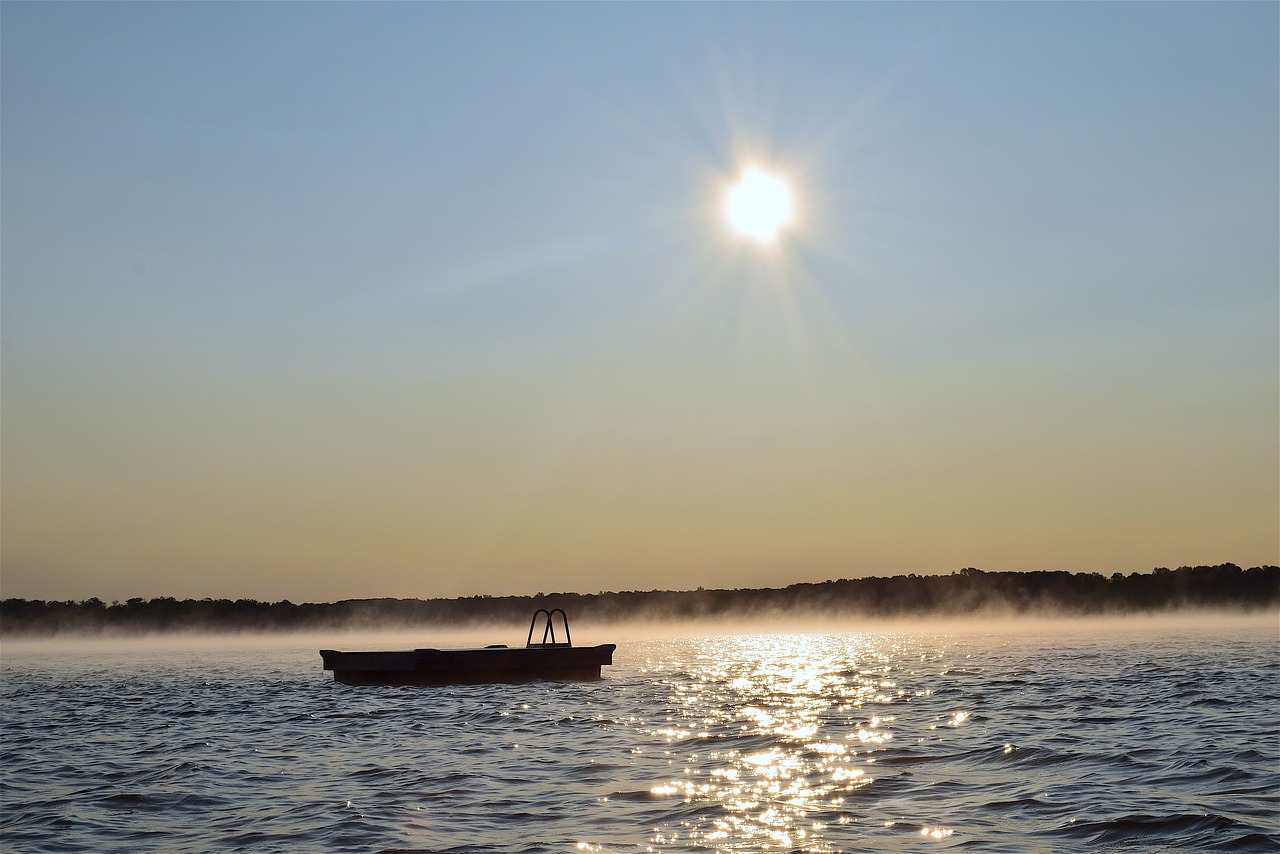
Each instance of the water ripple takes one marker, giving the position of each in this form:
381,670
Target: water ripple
821,743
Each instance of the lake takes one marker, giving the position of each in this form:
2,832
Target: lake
1137,735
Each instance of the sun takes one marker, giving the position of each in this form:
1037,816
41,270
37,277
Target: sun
759,206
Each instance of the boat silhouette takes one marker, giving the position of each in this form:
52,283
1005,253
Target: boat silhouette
549,658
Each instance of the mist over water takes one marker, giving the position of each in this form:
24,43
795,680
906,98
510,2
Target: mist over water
1150,734
586,632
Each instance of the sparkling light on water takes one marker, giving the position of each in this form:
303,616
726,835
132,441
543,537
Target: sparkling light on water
822,704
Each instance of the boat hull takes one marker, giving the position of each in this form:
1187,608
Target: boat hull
468,666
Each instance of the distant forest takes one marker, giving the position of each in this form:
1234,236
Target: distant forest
967,592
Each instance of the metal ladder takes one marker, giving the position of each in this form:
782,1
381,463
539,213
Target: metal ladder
549,629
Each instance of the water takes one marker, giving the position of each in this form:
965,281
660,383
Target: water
1073,738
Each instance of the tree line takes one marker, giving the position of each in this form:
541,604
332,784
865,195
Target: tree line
966,592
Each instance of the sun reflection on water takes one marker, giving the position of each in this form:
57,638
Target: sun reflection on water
779,736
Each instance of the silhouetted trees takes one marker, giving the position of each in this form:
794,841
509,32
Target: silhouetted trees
966,592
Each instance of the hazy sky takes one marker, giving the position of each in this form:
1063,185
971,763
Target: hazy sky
328,300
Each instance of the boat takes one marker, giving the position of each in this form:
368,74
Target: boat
549,658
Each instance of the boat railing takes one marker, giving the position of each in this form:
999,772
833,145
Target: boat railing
549,628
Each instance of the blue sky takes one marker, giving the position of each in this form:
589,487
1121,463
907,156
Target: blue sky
331,300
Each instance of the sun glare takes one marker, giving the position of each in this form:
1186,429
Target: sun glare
759,205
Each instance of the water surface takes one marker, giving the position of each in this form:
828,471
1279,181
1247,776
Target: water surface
1141,738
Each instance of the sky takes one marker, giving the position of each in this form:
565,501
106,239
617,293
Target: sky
332,300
